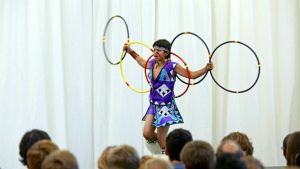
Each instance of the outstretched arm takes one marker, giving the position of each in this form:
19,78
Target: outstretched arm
136,56
194,74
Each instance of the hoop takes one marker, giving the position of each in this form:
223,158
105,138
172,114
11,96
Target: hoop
258,65
121,68
187,69
208,51
104,38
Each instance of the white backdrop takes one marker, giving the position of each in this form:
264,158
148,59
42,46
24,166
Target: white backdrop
54,76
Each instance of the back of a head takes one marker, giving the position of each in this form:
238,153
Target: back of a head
230,161
102,160
229,147
60,159
28,139
252,163
242,139
38,152
123,157
198,154
143,161
292,167
293,149
158,163
297,159
175,141
284,144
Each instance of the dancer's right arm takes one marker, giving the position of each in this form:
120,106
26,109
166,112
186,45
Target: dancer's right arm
135,56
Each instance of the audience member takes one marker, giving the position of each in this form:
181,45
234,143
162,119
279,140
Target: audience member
229,147
60,159
293,149
252,163
28,139
38,152
230,161
198,155
123,157
242,139
158,163
143,161
102,160
284,145
176,139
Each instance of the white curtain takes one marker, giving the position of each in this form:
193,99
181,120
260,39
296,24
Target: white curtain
54,76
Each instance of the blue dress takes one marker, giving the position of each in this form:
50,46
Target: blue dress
162,99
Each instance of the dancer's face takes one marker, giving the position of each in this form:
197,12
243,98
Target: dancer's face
160,54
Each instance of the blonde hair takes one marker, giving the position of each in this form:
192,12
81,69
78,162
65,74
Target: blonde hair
143,161
158,163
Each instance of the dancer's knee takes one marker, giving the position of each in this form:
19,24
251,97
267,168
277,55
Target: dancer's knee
149,136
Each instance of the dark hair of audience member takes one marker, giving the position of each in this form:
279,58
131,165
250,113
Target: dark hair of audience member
297,159
175,141
293,149
230,161
284,144
28,139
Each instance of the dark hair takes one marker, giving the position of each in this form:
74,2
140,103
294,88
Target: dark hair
297,159
175,141
292,150
230,161
284,144
163,43
28,139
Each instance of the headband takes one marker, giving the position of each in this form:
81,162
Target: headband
161,48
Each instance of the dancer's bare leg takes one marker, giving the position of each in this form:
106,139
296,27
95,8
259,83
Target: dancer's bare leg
162,135
148,131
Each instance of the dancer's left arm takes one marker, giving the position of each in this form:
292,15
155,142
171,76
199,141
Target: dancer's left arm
194,74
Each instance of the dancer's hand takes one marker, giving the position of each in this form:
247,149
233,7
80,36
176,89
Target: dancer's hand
127,47
209,66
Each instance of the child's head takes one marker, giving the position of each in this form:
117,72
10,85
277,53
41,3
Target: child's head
163,44
28,139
